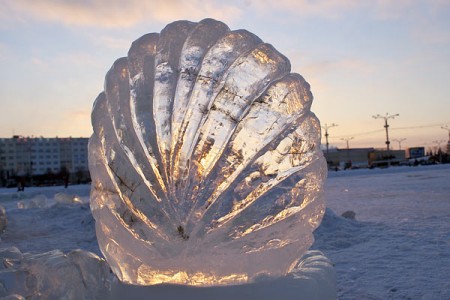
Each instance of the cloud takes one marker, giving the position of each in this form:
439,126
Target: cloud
427,21
76,58
39,63
432,25
78,116
116,13
3,52
427,35
65,59
390,10
113,43
127,13
353,66
75,123
411,10
323,8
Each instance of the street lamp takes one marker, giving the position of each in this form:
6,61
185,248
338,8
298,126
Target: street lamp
399,141
326,127
448,129
438,143
448,143
348,164
386,125
347,139
439,148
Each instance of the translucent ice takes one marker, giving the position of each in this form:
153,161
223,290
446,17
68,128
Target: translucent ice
205,159
53,275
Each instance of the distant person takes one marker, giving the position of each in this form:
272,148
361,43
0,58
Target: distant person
20,186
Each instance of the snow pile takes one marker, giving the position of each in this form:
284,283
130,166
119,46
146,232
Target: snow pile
3,219
37,201
53,275
41,201
337,233
45,219
83,275
37,270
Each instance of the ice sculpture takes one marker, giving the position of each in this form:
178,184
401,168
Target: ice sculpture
205,159
52,275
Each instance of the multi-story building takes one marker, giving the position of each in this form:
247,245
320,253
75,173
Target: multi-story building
32,158
363,157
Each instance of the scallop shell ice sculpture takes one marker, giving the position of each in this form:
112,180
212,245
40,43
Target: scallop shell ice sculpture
205,159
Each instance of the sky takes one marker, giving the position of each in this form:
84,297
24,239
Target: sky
361,58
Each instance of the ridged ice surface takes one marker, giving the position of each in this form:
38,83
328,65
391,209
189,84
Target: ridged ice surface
205,159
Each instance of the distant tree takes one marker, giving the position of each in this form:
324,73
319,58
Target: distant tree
79,174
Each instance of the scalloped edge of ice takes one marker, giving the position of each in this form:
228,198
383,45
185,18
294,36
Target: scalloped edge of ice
313,278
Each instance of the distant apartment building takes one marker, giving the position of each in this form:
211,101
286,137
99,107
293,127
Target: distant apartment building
33,157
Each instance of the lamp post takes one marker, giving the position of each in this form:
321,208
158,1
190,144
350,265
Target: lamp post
448,129
326,127
439,148
448,142
386,125
399,141
347,140
438,142
348,164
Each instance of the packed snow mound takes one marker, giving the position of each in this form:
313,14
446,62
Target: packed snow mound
68,198
53,275
3,219
205,159
42,201
349,214
337,232
58,226
83,275
38,201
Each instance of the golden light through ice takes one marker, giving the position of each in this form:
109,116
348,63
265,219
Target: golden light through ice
205,159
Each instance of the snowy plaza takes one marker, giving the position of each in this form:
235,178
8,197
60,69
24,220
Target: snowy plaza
398,246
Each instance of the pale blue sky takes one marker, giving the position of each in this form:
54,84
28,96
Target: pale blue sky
361,58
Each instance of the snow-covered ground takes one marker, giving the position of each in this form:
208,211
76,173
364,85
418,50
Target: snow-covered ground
48,218
398,247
